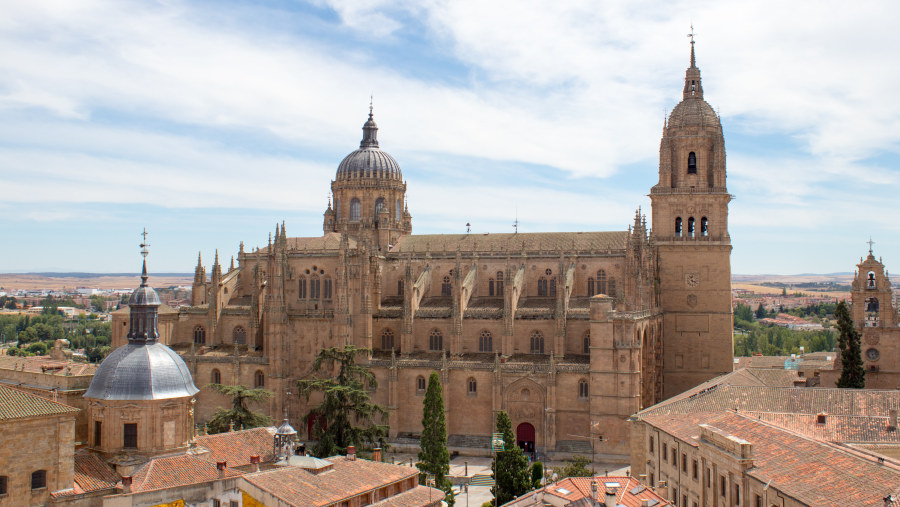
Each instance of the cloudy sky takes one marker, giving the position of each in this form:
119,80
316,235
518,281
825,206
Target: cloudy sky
208,122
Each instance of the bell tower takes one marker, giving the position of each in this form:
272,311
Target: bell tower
690,229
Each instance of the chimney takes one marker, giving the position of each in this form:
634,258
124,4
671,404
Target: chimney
351,452
221,466
126,484
376,452
821,418
254,460
645,502
662,488
610,497
892,419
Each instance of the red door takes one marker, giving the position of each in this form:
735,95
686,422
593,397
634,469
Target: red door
525,436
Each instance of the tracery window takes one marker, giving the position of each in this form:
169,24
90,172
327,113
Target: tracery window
314,287
239,336
387,339
553,287
199,335
354,210
486,342
216,376
537,343
301,288
473,386
260,379
583,389
542,286
435,340
601,281
446,288
692,163
326,288
499,285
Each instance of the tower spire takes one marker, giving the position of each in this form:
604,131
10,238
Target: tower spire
691,35
370,129
692,86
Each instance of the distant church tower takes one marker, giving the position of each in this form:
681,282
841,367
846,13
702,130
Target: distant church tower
369,194
690,228
875,317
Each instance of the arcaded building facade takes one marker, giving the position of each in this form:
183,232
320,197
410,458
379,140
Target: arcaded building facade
569,332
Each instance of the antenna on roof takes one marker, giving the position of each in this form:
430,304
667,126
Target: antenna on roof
468,227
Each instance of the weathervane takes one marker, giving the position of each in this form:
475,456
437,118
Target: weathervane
144,250
691,35
371,103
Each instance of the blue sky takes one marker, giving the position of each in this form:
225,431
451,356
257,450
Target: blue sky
210,122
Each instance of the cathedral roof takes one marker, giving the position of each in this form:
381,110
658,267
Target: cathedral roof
330,241
369,161
140,371
513,242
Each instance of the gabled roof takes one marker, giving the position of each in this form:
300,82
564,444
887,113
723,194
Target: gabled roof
236,447
93,474
551,242
16,404
629,492
175,471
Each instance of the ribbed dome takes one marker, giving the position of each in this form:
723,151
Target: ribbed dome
144,295
693,112
369,161
138,371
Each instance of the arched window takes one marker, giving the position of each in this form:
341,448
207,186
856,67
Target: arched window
399,208
446,288
326,288
473,386
199,335
601,281
537,343
583,389
387,340
260,379
354,210
553,287
692,163
870,280
490,286
420,384
337,209
239,336
704,227
499,285
486,342
39,479
590,291
379,205
216,376
678,226
612,287
314,286
587,342
691,227
542,286
400,287
301,288
435,340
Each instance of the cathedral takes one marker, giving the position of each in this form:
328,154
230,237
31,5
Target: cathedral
568,332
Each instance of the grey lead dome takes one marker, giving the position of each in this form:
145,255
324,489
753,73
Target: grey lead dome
369,161
138,371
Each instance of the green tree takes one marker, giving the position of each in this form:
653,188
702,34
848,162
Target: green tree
537,473
578,466
239,413
853,375
434,458
348,413
510,467
37,348
12,351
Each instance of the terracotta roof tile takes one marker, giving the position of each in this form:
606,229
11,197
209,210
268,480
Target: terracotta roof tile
16,404
174,471
236,447
92,473
416,497
629,491
46,365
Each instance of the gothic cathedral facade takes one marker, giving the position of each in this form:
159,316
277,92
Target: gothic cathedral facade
568,332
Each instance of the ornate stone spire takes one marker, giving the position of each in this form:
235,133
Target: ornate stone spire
143,306
370,131
692,86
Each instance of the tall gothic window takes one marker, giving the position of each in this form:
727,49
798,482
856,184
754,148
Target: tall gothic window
583,389
354,210
490,286
590,291
314,287
435,340
239,336
446,288
601,281
337,209
199,335
691,227
499,285
678,226
400,287
473,386
379,205
542,286
326,288
537,343
704,227
216,376
301,288
420,384
387,339
486,342
553,287
259,379
612,287
692,163
587,342
399,208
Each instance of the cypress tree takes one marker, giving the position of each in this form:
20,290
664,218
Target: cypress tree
510,467
853,375
434,458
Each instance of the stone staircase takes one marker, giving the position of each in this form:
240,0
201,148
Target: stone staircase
476,441
573,447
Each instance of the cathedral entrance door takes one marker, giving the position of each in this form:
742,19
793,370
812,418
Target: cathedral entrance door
525,436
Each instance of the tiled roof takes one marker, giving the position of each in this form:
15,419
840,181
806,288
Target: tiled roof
744,391
330,241
16,404
174,471
531,242
836,428
349,478
817,360
629,491
46,365
236,447
416,497
92,473
813,472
